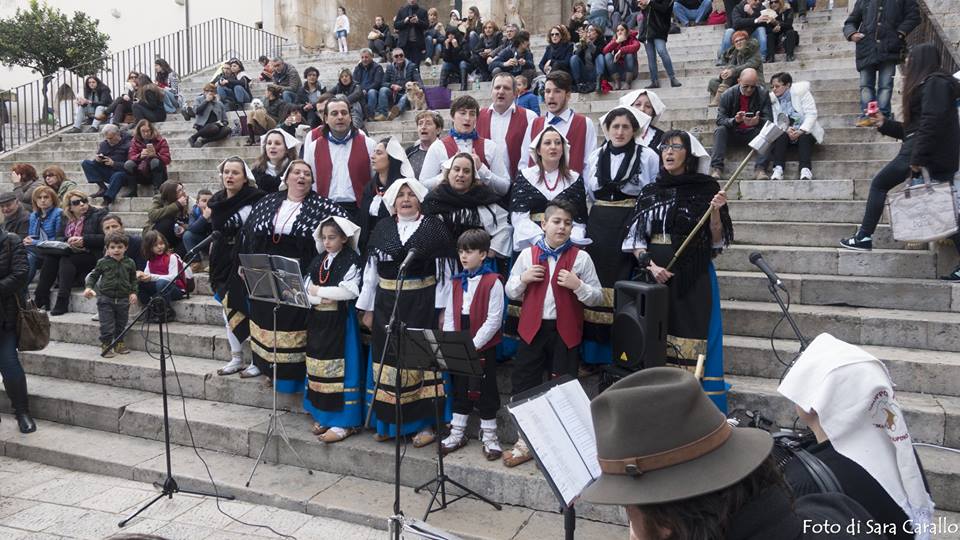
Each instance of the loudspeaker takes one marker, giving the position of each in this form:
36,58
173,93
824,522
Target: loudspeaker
639,332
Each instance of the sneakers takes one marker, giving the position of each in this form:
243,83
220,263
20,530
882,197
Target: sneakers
864,121
716,173
777,173
761,174
106,351
121,348
806,174
187,113
952,276
675,83
428,61
74,130
857,243
653,84
517,455
791,58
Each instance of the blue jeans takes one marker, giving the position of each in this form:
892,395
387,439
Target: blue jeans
760,34
289,97
170,101
80,116
582,73
876,83
237,94
34,261
147,289
191,239
10,366
655,47
384,102
449,67
686,15
372,96
599,18
628,66
98,173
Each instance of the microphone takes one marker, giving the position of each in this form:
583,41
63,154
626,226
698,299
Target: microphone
214,236
757,260
411,255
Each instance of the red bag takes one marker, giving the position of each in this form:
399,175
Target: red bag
717,18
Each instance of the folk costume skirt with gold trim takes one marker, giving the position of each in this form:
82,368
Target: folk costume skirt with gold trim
419,391
606,226
335,366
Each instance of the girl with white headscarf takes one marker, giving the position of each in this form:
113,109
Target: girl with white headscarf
277,149
424,291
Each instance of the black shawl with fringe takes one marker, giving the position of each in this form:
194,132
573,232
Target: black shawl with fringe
459,211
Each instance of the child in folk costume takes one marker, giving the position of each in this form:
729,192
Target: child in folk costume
555,280
475,304
335,368
423,292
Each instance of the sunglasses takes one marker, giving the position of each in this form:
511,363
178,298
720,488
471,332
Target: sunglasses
398,56
78,202
554,34
675,146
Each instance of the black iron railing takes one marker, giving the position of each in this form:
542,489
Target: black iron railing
36,109
931,31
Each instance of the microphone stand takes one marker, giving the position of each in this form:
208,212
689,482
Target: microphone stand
169,486
786,314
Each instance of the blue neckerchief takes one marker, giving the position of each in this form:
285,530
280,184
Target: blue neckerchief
472,136
550,252
467,274
345,140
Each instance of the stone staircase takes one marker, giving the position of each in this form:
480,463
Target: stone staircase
104,415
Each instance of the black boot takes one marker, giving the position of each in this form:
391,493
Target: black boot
63,303
17,392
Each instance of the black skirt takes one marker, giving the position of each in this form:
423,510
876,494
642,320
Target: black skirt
688,322
607,227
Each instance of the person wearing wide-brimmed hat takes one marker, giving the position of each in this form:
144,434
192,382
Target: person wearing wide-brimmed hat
682,472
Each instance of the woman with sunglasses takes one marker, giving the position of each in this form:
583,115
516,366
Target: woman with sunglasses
558,53
56,179
81,229
666,213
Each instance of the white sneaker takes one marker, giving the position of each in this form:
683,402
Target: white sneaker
777,173
96,317
806,174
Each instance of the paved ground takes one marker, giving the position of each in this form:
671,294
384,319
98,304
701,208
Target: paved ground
39,502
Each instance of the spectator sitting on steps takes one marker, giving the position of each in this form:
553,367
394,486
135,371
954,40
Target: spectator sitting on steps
620,58
286,77
148,104
169,82
291,124
782,31
233,86
16,219
516,59
558,52
308,96
796,103
743,110
25,180
123,104
746,17
349,89
455,56
381,39
212,123
106,169
148,158
262,119
744,54
394,90
691,12
93,105
369,75
266,69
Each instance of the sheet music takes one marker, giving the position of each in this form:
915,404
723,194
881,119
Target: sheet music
558,427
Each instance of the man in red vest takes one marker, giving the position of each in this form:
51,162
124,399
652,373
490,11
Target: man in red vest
489,156
475,305
339,155
506,121
554,279
577,128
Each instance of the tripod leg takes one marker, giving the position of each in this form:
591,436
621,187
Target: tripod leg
263,448
473,493
142,508
286,439
433,499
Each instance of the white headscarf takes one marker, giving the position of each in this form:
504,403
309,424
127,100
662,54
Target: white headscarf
349,228
536,142
246,169
642,118
289,141
852,393
396,151
390,196
658,107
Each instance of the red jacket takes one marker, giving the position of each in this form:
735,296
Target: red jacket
631,46
159,144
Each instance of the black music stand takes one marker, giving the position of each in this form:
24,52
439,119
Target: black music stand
453,353
274,279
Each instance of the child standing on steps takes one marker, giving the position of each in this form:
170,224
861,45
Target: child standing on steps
554,279
342,28
115,276
475,304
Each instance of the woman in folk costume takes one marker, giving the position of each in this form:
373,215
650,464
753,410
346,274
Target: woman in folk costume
425,289
549,178
462,203
390,164
229,210
615,174
666,213
335,367
277,149
649,103
283,224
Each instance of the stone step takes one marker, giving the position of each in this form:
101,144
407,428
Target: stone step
922,372
784,233
819,190
799,210
924,330
856,291
280,486
834,261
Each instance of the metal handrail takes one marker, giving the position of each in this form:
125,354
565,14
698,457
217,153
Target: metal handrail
38,108
930,31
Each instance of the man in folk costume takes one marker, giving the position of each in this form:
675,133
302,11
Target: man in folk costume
489,157
506,121
577,128
339,155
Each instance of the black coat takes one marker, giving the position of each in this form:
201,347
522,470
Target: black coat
770,516
743,20
656,21
558,55
884,25
92,232
730,105
13,278
404,28
933,131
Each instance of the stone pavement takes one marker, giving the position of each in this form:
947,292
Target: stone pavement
40,502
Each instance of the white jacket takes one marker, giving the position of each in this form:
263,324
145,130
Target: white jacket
803,103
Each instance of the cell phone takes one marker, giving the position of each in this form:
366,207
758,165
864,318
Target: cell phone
872,108
749,114
101,157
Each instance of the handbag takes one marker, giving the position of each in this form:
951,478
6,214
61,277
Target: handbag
33,327
923,212
53,247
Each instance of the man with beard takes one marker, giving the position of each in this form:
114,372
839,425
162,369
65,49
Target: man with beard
339,155
577,128
506,121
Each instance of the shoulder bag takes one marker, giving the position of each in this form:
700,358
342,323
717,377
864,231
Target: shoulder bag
923,212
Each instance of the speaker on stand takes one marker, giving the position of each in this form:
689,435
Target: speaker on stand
638,335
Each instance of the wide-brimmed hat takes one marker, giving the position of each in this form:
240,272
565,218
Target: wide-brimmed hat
661,439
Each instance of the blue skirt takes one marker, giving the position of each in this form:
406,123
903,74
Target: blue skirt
351,415
713,383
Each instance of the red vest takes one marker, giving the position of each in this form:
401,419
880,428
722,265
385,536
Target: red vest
569,308
577,135
453,149
515,131
478,308
358,164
